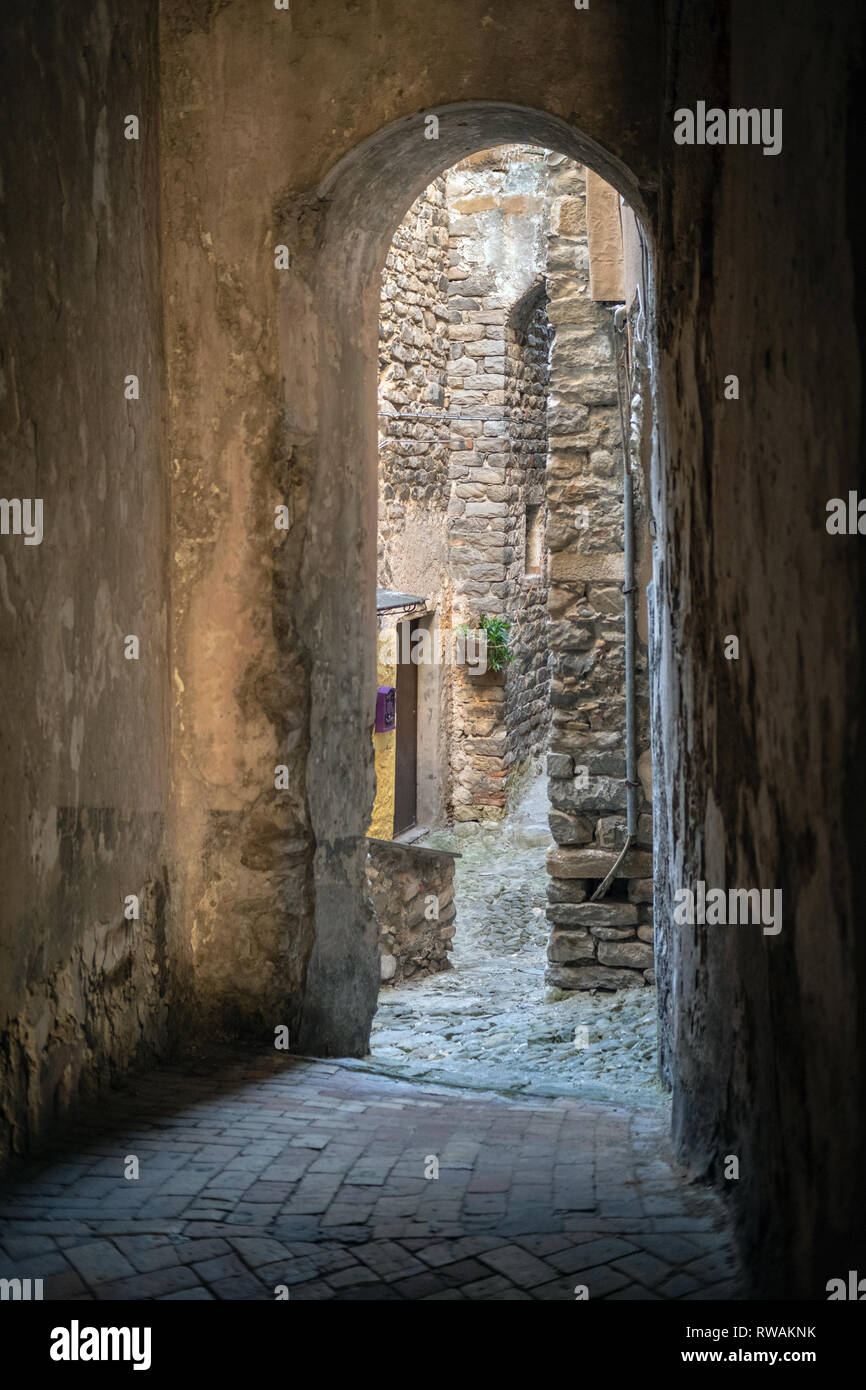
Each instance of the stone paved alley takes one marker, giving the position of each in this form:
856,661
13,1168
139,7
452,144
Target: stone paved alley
491,1021
264,1171
259,1172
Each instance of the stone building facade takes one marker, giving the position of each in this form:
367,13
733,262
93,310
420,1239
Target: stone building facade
504,496
464,353
499,379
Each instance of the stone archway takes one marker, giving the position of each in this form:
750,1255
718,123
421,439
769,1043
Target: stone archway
337,239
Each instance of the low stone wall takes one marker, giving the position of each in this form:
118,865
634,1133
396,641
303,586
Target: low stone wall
412,892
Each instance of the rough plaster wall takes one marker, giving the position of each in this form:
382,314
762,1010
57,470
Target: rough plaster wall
273,388
764,773
83,991
384,744
240,657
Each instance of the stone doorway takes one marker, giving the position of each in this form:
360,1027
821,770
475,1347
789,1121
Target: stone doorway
506,389
337,243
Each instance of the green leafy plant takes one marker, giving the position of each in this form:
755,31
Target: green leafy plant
496,631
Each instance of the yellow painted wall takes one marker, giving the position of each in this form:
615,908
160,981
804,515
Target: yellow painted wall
385,747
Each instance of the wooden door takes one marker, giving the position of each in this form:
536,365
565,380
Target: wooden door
406,771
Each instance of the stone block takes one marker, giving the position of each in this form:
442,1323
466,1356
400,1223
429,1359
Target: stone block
565,915
565,890
606,914
611,832
596,863
566,567
571,947
592,977
569,829
637,955
645,829
640,890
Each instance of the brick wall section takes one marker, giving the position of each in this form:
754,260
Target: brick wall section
409,885
606,944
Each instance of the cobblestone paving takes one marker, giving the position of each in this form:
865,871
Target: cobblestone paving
258,1172
491,1021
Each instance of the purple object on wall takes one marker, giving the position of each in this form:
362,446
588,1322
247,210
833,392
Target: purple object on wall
386,709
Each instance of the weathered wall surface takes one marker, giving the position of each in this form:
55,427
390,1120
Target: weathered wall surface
527,382
84,992
760,771
412,892
273,391
413,373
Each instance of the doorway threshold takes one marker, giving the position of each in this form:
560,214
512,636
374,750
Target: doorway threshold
415,832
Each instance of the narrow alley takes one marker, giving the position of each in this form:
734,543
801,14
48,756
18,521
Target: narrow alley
491,1021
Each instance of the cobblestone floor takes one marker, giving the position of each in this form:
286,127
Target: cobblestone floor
260,1172
491,1021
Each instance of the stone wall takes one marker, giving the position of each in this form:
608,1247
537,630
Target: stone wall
463,334
498,373
89,979
528,338
412,892
607,944
413,367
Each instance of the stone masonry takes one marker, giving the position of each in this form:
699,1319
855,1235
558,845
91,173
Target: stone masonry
498,372
608,944
520,351
463,364
412,889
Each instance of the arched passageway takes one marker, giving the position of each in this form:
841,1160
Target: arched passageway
337,242
218,778
501,493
